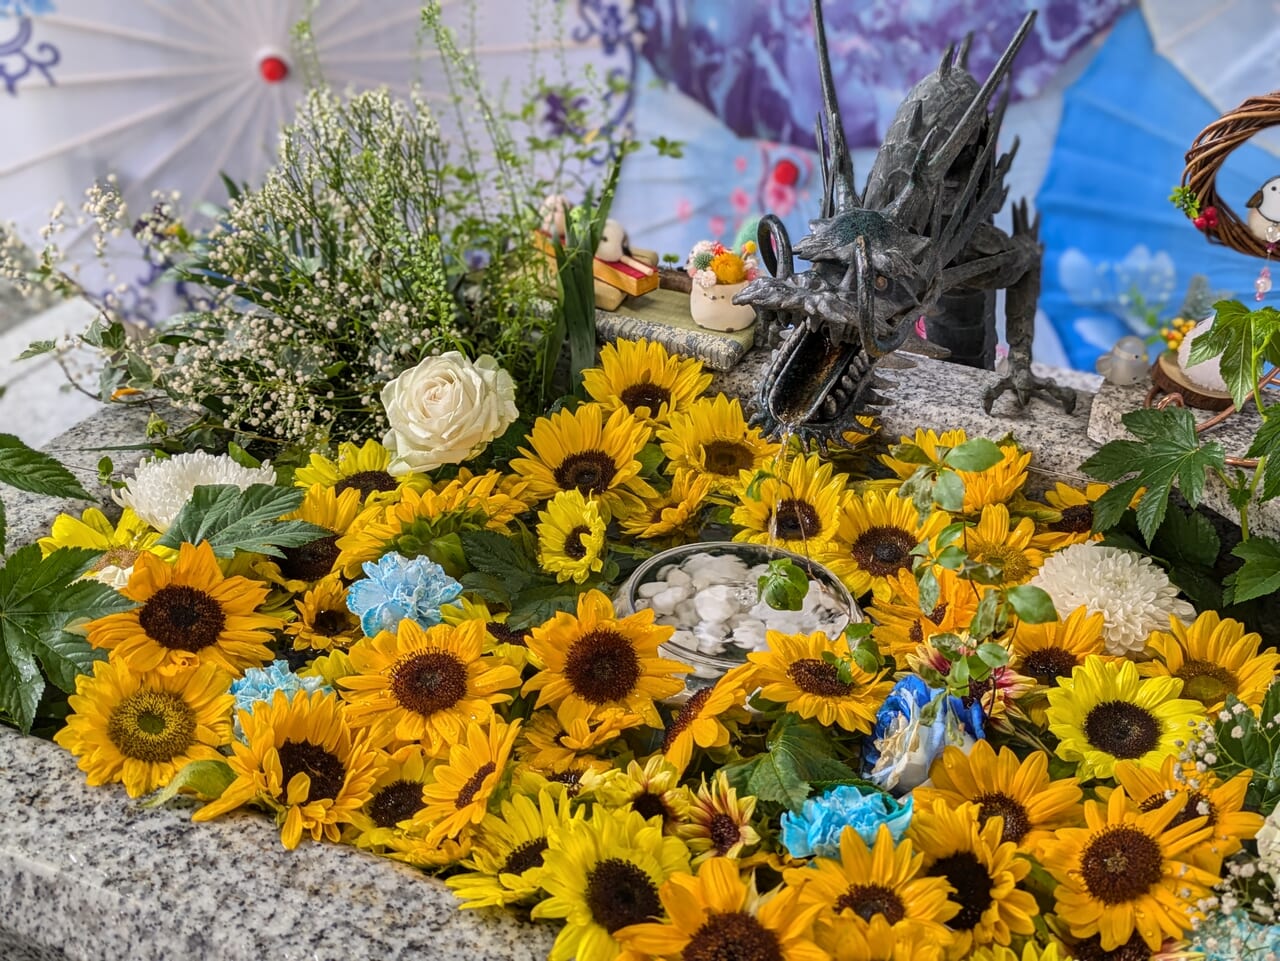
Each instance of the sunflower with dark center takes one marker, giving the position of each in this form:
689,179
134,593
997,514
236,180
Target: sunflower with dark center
995,485
571,537
885,881
459,796
324,621
1031,804
876,534
1047,652
363,470
716,915
674,514
603,875
797,508
1006,547
302,566
297,753
1128,872
1105,713
549,745
426,684
141,729
718,823
652,789
712,439
1214,657
1075,525
797,671
595,662
900,625
395,798
700,721
645,379
189,614
983,871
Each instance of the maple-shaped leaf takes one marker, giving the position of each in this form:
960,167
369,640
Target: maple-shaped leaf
1239,338
1168,450
1266,443
1260,574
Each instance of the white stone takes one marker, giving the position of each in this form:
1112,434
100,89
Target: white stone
719,602
666,601
1206,374
678,578
651,589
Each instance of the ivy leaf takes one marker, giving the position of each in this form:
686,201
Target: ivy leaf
1260,574
974,455
36,472
1267,444
36,348
1032,604
234,520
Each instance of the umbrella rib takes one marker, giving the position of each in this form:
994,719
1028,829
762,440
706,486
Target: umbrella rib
364,30
233,137
363,81
505,48
229,98
153,73
333,15
124,33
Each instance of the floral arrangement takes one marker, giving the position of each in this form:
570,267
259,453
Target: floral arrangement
710,263
1035,748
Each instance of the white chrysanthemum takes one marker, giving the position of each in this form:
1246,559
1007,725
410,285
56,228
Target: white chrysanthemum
1131,593
161,488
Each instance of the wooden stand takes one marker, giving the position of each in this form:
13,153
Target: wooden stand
1168,376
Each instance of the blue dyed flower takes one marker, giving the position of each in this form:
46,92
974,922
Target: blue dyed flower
395,588
912,727
1235,937
817,829
261,684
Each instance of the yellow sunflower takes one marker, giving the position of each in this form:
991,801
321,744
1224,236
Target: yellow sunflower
500,639
700,720
1128,872
549,745
1047,652
1075,526
121,543
652,789
394,798
1032,804
362,469
459,796
995,485
1214,657
324,621
1105,713
571,537
596,661
677,513
1031,951
716,914
301,567
794,672
643,377
580,450
506,865
877,532
993,541
884,881
900,626
1205,796
189,614
426,684
301,760
142,729
712,438
718,824
604,874
798,510
983,871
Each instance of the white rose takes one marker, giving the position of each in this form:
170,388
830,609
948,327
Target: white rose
446,410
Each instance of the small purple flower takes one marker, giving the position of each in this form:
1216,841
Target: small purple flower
394,588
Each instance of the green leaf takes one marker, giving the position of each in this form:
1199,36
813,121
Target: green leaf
983,624
207,780
1032,604
1267,444
797,752
992,654
4,530
234,520
974,455
929,588
948,491
1187,538
535,606
1260,574
36,348
1238,337
36,472
242,456
910,454
783,585
495,553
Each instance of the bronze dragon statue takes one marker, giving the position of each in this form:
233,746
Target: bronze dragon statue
919,242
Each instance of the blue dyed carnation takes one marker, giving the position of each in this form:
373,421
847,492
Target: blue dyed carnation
1235,937
816,830
261,684
914,725
395,588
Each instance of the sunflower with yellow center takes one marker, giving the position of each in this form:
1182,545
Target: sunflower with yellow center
1031,804
884,881
675,514
995,485
718,824
301,760
459,796
712,439
1220,804
800,671
993,541
983,871
596,661
716,914
603,875
324,621
645,379
571,537
188,614
301,567
700,720
1105,713
797,510
900,626
394,798
580,450
120,543
1214,658
360,468
876,534
506,865
549,745
1128,872
426,684
1075,526
652,789
142,729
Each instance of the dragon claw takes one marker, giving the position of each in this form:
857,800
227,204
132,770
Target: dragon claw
1025,385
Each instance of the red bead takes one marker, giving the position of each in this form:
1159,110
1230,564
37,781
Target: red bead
786,172
1200,222
273,69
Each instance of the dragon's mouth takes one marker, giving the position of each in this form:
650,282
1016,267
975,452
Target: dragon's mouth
815,384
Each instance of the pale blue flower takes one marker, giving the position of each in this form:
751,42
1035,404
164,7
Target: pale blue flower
914,725
261,684
395,588
816,830
1235,937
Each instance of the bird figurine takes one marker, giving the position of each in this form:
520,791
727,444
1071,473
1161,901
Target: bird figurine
1127,363
1264,212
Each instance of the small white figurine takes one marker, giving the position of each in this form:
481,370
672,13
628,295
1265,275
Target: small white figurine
1264,212
1127,363
613,248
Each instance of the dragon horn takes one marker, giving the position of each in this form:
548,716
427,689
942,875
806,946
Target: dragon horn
962,58
948,55
839,191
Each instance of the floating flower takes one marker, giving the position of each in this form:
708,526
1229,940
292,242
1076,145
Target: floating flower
797,510
160,488
718,824
141,729
817,830
712,438
1215,658
699,720
262,683
676,512
912,727
396,588
900,626
386,818
459,796
646,379
363,469
324,620
651,789
571,537
1133,595
876,535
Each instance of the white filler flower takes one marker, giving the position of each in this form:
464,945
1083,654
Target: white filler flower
445,410
1133,595
161,488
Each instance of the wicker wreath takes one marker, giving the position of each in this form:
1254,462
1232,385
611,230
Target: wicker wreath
1206,157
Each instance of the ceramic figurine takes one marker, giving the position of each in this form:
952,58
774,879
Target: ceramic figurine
1127,363
615,248
1264,212
719,274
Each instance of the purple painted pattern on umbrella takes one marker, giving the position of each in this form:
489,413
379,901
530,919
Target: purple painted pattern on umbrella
752,64
17,61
